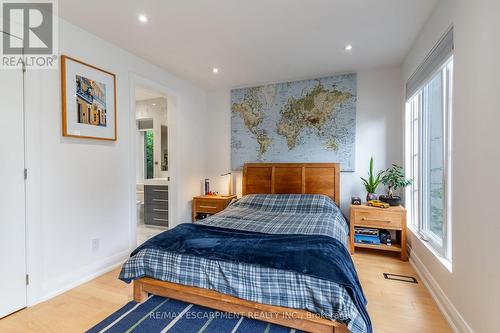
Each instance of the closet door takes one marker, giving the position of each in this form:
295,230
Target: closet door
12,199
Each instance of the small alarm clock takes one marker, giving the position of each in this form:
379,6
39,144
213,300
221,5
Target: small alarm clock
355,200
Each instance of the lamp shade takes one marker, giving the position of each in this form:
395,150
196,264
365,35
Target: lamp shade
229,183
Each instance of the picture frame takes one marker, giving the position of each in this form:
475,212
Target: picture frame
88,101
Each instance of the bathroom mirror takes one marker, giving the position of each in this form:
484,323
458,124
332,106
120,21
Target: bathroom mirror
149,154
146,133
152,140
164,148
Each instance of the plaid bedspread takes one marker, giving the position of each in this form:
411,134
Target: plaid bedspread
275,214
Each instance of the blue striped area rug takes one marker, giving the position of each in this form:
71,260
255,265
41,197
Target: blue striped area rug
161,315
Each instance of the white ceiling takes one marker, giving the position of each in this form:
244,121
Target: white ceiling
256,41
142,94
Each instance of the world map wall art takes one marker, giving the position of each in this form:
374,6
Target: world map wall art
300,121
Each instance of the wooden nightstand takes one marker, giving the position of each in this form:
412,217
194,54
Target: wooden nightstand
210,204
392,218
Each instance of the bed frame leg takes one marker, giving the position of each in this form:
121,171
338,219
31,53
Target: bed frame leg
139,294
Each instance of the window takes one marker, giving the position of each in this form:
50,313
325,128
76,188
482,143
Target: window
427,146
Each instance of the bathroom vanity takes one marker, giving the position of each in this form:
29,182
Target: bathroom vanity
156,205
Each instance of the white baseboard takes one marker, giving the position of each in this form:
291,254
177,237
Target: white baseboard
454,318
81,276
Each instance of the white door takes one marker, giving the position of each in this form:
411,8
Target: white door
12,200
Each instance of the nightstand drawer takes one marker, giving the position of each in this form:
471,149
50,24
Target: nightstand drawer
382,219
208,206
204,205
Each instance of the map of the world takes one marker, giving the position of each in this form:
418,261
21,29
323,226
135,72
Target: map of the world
300,121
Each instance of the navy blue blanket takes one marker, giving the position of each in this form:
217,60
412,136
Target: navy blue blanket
314,255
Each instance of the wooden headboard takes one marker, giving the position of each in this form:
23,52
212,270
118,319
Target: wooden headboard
292,178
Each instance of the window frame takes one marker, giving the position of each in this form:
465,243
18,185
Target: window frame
415,113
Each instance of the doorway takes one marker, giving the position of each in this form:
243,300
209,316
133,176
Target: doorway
152,162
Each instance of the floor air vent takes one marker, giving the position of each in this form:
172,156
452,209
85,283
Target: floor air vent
402,278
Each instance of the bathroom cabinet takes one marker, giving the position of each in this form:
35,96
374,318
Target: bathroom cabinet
156,205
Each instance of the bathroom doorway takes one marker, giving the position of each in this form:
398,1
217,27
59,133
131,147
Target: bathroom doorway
152,162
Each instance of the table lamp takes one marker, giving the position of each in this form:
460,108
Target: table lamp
230,184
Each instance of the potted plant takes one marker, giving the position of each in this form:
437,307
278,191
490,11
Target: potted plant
394,179
372,182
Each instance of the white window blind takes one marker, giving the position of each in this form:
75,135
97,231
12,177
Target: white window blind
435,59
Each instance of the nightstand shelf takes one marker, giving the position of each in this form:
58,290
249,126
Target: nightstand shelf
393,247
207,205
392,218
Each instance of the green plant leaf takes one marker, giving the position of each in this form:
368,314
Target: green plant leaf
394,178
373,181
371,170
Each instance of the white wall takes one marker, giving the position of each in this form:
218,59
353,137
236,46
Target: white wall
78,189
378,131
470,294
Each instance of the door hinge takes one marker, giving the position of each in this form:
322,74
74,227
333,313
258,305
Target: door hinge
168,178
27,279
25,173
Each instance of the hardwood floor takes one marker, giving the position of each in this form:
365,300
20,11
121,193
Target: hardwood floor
394,306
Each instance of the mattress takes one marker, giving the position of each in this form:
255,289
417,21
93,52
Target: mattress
267,213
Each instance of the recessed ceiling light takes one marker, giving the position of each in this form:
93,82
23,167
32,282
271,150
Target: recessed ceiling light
154,104
143,18
215,70
348,47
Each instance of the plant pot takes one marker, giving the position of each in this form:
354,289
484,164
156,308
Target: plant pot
394,201
371,196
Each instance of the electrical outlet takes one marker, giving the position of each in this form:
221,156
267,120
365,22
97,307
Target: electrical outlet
95,244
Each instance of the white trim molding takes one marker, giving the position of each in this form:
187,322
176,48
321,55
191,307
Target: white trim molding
450,312
86,274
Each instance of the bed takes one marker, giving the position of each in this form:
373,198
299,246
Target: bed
278,199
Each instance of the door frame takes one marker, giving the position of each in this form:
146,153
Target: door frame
171,95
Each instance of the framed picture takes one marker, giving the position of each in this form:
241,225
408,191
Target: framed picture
88,101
